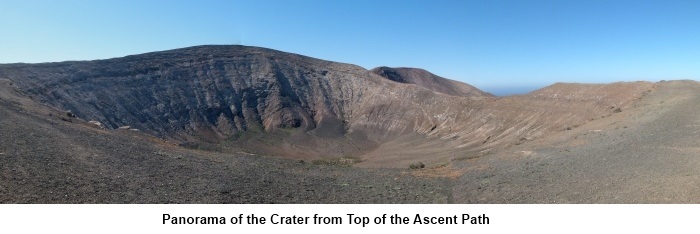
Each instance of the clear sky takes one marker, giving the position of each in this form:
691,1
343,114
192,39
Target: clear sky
492,44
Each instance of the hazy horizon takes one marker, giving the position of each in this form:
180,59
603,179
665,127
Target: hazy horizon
502,91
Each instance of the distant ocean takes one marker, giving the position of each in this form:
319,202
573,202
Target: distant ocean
510,90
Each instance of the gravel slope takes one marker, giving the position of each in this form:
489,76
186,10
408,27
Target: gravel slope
646,153
44,158
649,153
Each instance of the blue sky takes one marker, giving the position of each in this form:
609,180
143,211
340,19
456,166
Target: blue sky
490,44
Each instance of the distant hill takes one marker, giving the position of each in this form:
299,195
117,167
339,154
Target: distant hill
430,81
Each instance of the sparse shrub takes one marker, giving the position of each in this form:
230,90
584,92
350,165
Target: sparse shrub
417,165
617,110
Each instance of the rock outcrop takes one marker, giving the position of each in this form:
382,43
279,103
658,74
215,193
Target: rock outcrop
217,90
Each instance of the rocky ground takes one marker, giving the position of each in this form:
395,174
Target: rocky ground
44,158
647,153
54,162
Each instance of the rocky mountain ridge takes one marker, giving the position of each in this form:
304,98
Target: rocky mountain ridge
271,102
356,136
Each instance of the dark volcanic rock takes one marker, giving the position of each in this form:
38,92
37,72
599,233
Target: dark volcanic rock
215,93
208,91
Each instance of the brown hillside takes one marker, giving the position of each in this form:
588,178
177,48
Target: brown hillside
233,98
351,134
430,81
